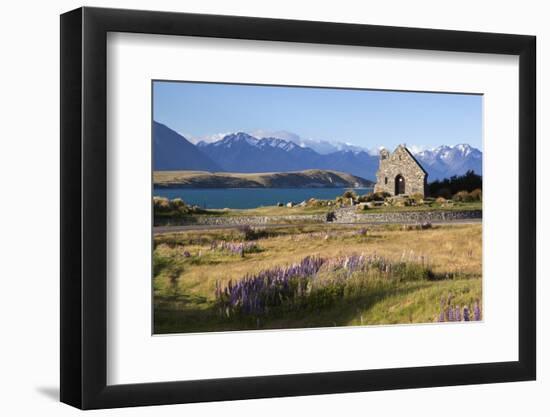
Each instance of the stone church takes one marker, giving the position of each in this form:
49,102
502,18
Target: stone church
400,173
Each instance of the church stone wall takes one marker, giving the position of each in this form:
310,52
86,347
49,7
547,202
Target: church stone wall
400,162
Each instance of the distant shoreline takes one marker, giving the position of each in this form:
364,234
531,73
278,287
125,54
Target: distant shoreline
191,187
314,178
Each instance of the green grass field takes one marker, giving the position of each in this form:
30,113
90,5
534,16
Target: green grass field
188,267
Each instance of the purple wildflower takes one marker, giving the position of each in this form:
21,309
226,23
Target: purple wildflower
258,293
236,248
477,311
458,317
451,314
466,314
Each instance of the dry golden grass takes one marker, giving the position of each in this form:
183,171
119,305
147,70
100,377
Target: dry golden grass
448,249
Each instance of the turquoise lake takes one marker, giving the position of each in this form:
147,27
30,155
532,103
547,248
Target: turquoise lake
244,198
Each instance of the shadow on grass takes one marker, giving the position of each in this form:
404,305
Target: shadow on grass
191,317
178,297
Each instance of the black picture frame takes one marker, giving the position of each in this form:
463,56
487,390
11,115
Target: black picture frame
84,207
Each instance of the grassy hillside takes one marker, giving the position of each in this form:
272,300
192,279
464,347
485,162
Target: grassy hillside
299,179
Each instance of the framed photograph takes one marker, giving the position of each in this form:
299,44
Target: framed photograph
257,208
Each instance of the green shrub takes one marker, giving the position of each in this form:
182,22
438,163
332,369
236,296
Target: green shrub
466,197
349,194
250,233
461,196
177,203
417,198
378,196
313,202
476,195
161,204
163,207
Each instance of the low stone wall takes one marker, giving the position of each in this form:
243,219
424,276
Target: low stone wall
341,217
243,220
409,216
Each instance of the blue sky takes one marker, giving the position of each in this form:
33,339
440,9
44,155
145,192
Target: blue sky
363,118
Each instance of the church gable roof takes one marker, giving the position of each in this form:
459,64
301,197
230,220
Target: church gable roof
414,159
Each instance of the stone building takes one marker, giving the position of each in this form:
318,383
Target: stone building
400,173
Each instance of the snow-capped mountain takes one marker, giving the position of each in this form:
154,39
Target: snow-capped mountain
240,138
323,147
445,160
234,139
244,152
276,143
241,152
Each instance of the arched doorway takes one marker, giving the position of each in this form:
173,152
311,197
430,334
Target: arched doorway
399,185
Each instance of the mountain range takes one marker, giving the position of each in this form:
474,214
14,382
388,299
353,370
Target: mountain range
171,151
244,153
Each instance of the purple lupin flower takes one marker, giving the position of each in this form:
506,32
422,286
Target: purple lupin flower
477,311
451,314
258,293
466,314
237,248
